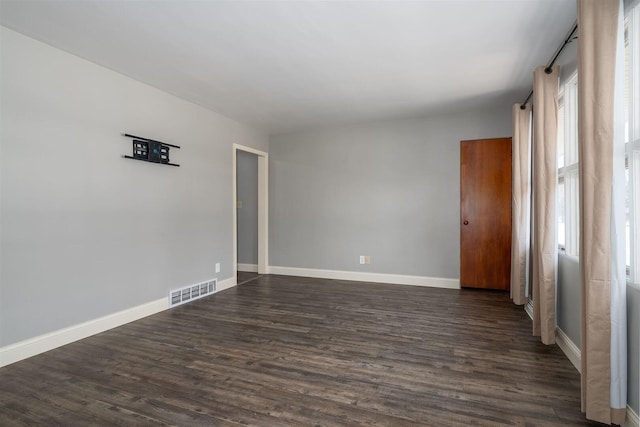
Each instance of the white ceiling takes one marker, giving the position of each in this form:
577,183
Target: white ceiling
291,65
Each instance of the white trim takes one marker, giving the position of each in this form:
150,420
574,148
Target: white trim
227,283
632,418
263,213
572,352
249,268
434,282
568,348
42,343
30,347
249,150
263,207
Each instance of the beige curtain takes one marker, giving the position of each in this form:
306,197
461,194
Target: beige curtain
544,244
603,372
521,186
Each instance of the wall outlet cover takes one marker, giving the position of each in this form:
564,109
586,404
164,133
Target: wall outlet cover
361,259
217,267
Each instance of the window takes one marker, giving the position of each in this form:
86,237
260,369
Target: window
632,142
567,190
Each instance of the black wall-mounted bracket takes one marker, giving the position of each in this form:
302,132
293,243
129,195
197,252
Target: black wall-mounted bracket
150,150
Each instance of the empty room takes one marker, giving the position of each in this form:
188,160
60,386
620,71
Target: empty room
320,213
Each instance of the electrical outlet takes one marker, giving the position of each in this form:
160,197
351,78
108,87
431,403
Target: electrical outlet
367,259
361,259
217,267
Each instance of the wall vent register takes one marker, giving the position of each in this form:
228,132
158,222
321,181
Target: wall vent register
192,292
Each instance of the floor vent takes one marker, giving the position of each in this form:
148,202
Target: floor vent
193,292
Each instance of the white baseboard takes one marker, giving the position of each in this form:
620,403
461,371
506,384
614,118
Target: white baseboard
564,342
32,346
227,283
42,343
249,268
568,348
434,282
572,352
632,418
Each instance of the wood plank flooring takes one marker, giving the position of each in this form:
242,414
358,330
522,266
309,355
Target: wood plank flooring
243,277
286,351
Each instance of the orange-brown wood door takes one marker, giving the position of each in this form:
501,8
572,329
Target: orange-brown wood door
485,213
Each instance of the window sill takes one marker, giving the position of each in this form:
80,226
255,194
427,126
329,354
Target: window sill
562,252
633,285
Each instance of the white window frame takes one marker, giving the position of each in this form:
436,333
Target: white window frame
632,140
568,172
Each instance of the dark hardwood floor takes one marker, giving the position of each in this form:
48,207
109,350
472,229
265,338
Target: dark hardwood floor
243,277
285,351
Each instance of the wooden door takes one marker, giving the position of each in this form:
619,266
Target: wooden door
485,213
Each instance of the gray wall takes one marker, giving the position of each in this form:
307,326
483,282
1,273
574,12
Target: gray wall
568,294
247,189
86,233
390,190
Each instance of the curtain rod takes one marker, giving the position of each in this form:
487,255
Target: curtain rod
547,70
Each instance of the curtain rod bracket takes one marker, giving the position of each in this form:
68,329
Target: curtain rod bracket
549,68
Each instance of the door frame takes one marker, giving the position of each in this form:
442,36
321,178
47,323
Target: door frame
263,208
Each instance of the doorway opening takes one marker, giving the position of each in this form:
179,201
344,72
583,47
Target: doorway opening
250,213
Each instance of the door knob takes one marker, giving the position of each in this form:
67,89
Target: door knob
466,222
